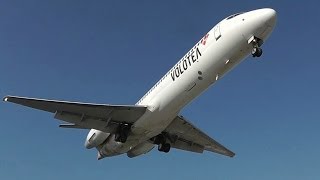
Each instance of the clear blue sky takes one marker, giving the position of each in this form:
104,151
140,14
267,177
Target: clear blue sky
266,111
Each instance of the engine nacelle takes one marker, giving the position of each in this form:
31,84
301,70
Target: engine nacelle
95,138
142,148
110,147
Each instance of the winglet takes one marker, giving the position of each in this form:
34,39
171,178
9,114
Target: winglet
232,154
5,99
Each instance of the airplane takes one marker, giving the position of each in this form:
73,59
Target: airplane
155,119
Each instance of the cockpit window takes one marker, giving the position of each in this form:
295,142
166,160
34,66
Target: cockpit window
232,16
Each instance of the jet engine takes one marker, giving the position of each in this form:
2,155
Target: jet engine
95,138
142,148
110,147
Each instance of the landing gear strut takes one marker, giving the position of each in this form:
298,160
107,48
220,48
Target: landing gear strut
160,140
256,51
122,134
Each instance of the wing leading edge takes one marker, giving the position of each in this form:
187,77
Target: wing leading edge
185,136
102,117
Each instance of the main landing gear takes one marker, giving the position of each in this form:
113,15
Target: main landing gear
160,140
123,131
256,51
164,147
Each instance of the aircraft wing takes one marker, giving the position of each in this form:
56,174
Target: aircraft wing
185,136
103,117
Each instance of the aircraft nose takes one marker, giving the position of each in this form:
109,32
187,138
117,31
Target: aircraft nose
269,16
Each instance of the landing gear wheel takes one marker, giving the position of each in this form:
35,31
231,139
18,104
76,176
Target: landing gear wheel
159,139
122,134
256,43
256,52
123,138
164,147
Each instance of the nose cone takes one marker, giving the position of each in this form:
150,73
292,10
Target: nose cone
269,16
261,23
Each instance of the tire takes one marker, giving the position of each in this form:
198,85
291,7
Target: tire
123,138
259,52
160,147
256,52
166,147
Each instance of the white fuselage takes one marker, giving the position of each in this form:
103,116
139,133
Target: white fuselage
221,49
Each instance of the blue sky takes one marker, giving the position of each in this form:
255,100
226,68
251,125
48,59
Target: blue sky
266,110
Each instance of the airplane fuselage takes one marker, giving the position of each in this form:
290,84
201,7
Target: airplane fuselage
221,49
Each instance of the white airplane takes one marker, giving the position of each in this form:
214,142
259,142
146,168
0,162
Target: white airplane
154,119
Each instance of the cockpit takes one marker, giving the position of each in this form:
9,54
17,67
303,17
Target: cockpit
234,15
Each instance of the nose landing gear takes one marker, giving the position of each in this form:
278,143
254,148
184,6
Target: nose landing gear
256,43
256,52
